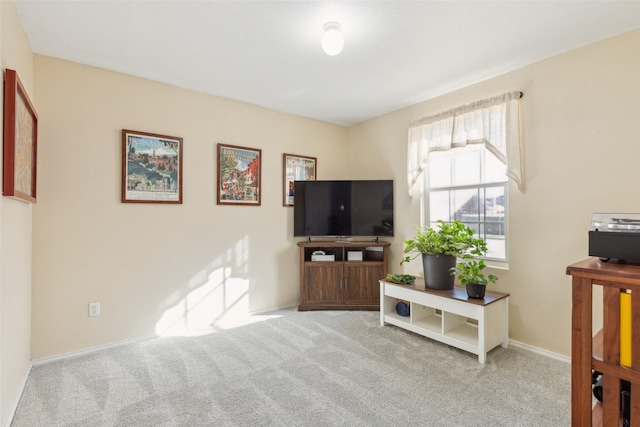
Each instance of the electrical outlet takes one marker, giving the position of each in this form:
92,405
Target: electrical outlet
94,309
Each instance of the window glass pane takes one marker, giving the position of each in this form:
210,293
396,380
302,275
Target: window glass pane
494,222
438,206
439,170
494,169
494,205
466,205
466,168
496,247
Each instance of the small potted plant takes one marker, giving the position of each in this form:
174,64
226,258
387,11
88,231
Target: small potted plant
440,247
471,276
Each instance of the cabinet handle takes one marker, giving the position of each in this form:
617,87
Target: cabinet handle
341,283
346,283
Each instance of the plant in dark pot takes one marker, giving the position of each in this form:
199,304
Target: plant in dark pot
471,276
440,248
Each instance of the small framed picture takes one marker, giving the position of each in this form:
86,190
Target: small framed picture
239,175
151,168
296,168
20,141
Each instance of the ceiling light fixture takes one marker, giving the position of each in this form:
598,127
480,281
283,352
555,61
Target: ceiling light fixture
332,41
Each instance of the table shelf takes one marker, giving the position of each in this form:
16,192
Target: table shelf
449,316
602,352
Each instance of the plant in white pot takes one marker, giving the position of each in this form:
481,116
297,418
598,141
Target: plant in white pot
471,276
440,248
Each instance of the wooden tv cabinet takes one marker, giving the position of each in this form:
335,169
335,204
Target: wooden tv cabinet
342,283
443,315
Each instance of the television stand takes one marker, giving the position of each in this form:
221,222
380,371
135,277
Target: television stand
349,282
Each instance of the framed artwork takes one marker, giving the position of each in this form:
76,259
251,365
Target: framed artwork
151,168
296,168
239,175
20,141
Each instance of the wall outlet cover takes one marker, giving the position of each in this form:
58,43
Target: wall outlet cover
94,309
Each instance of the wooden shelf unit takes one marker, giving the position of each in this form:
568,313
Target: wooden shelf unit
614,278
444,315
342,284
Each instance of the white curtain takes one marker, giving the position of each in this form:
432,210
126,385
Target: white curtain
494,122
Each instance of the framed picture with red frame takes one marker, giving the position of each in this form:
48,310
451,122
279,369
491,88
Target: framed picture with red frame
20,141
239,175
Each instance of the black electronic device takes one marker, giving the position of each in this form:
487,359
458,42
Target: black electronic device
350,208
615,237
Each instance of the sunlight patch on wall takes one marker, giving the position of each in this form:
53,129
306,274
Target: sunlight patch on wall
197,311
218,300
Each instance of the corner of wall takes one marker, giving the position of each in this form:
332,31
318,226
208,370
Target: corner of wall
15,242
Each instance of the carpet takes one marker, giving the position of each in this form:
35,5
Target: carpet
317,368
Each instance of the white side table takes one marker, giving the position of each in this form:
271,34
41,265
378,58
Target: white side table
443,315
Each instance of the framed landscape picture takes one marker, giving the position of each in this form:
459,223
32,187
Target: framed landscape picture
239,175
20,141
151,168
296,168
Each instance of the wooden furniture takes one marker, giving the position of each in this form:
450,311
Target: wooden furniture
443,315
342,284
614,278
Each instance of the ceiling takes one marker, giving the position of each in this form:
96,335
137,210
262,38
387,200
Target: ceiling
268,53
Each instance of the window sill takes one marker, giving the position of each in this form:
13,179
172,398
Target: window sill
498,264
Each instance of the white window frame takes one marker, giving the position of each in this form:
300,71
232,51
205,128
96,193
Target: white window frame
496,262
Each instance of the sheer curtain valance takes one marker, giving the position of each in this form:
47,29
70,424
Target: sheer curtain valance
493,122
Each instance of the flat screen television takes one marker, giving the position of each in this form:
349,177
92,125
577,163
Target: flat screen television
343,208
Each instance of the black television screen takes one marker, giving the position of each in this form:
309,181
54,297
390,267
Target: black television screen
343,208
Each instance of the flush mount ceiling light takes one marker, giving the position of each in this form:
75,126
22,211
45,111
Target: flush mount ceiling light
332,41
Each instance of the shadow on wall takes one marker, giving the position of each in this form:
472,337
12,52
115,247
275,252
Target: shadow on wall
219,299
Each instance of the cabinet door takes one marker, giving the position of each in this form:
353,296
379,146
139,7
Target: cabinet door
323,283
362,286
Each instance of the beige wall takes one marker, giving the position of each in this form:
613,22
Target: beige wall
153,266
15,241
581,125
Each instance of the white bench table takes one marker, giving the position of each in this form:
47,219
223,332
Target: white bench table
444,315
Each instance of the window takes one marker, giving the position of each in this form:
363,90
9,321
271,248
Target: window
470,184
464,156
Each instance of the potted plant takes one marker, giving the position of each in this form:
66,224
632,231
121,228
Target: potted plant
440,247
470,274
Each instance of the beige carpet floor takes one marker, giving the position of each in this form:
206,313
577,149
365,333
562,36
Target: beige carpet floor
321,368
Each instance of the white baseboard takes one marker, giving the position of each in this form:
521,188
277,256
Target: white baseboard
16,402
266,310
541,351
89,350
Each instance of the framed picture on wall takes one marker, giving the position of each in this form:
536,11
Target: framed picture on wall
151,168
20,141
239,175
296,168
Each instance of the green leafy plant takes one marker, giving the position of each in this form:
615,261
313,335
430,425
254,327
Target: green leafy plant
470,272
405,279
452,238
